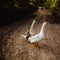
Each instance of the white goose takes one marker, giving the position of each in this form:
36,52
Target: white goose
38,36
29,32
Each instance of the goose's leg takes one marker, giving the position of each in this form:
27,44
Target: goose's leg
36,45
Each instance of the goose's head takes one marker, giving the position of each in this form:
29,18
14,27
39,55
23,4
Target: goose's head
45,23
34,21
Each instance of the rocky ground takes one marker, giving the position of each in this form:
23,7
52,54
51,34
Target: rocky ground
14,47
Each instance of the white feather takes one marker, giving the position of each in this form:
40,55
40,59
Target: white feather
39,36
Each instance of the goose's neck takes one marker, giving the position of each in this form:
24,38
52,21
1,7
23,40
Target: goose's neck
31,28
43,27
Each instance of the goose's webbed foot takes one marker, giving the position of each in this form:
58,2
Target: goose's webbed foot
36,45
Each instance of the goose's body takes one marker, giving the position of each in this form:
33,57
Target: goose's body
30,32
38,36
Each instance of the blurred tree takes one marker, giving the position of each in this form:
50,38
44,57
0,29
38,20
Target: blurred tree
18,3
53,5
10,8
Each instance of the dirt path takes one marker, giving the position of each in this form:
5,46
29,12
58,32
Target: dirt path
15,47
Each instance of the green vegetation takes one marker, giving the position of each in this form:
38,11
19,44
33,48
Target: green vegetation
53,5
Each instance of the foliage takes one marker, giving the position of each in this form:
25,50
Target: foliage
18,3
53,5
